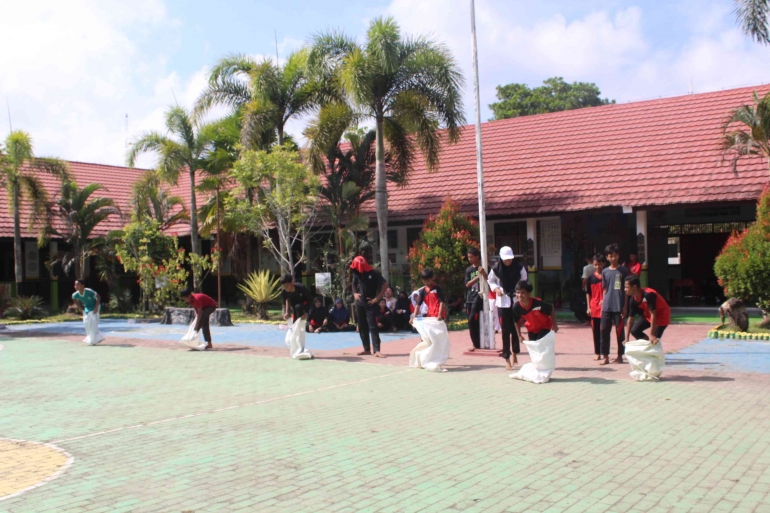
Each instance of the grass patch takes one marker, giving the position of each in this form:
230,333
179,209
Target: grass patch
753,328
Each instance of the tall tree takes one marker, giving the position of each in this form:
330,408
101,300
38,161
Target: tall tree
267,94
411,87
74,216
553,96
746,131
752,16
184,149
149,198
18,167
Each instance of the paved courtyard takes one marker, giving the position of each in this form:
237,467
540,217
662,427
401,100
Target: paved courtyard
140,425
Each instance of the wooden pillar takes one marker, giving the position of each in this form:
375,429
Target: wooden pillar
642,244
531,256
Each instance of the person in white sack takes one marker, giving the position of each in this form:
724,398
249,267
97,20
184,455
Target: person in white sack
645,354
433,350
88,302
539,317
204,306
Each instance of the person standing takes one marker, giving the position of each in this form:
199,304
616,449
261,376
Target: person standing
368,288
474,304
505,275
594,297
204,306
88,302
634,265
613,303
588,270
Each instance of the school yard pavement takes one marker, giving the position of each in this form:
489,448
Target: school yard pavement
141,426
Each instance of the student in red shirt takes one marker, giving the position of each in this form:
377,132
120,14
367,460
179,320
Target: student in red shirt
594,297
634,266
656,314
539,316
204,306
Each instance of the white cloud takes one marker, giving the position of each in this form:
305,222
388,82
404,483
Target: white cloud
613,48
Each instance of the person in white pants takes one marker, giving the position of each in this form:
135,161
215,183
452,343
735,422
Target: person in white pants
89,303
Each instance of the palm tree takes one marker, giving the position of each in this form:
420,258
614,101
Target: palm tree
411,87
746,131
267,94
186,152
18,165
752,16
150,199
74,216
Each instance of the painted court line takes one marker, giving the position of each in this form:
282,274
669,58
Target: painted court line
70,459
227,408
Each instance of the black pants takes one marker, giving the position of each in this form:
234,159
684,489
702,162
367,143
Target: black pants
474,321
596,328
401,321
387,324
537,336
203,322
641,325
510,339
610,319
366,317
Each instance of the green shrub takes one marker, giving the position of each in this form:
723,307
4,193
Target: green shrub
443,246
121,301
743,266
261,288
25,307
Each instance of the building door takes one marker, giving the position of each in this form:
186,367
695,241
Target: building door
513,235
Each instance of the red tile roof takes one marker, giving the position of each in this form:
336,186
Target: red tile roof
584,159
666,149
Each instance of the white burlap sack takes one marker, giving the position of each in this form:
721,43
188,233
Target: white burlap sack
433,350
192,338
647,360
543,360
91,323
295,339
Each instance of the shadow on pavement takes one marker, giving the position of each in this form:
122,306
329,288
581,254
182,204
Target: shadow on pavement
693,379
593,381
586,369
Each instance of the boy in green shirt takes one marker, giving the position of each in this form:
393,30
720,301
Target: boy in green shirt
89,303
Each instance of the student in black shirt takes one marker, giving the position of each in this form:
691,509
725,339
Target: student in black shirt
296,298
403,312
368,288
474,304
385,317
318,318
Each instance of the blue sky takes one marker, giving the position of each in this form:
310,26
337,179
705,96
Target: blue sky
73,70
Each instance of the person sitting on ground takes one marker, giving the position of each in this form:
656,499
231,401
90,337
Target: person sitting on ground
402,312
390,299
317,319
296,298
339,317
385,317
655,312
594,297
204,306
540,317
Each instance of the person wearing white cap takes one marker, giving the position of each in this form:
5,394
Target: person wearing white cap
503,278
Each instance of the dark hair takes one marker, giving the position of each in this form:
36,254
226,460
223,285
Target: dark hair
319,298
426,274
612,248
633,280
287,278
600,258
81,281
474,251
525,285
185,293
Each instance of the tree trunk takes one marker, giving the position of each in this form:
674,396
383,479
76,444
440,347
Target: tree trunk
279,130
194,239
381,200
17,251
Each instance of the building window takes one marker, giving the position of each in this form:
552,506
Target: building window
392,258
393,239
674,252
412,234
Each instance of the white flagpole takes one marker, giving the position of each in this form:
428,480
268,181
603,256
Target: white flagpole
487,325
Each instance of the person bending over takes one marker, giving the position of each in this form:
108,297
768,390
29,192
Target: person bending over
204,306
296,298
655,312
539,316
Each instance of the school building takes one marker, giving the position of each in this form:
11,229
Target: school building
648,175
